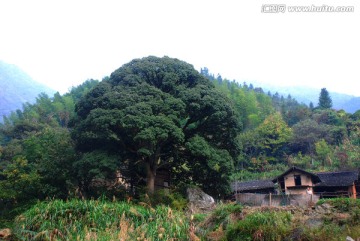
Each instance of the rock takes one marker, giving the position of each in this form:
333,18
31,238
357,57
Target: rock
5,233
324,208
348,238
314,222
199,200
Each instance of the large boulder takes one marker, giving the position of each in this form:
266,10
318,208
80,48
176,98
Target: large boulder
199,200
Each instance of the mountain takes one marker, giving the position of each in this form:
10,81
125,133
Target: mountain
16,88
305,95
352,105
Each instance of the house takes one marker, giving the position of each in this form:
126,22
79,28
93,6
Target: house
337,184
296,181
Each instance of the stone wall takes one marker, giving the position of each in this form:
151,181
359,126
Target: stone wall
252,199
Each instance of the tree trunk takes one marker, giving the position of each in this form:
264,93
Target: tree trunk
150,180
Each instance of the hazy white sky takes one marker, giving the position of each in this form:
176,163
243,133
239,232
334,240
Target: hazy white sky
63,43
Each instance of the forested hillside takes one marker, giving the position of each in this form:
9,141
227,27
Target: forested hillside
17,88
279,132
160,114
309,95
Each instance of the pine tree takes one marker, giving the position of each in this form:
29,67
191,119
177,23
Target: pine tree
325,101
311,105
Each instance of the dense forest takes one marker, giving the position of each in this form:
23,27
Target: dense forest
278,132
161,114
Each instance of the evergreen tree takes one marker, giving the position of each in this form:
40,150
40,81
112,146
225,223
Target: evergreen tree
160,113
325,101
311,106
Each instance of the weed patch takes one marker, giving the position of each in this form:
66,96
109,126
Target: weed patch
100,220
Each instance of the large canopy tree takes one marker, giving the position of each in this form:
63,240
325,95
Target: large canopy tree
160,113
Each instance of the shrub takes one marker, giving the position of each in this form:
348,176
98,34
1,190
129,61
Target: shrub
342,204
352,206
165,197
221,215
223,211
218,219
269,225
326,232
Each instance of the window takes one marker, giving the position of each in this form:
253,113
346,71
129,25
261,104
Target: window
297,179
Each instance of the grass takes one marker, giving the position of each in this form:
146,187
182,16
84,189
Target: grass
105,220
100,220
269,225
211,226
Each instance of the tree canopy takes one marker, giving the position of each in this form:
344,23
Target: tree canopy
154,112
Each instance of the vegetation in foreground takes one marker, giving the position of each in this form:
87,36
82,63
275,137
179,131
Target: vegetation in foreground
105,220
100,220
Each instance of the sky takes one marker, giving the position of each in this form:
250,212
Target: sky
63,43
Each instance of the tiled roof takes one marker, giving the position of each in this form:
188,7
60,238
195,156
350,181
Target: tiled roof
252,185
337,179
314,177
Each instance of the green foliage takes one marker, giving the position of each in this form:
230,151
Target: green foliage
347,153
323,152
328,117
52,152
222,213
252,105
37,145
19,181
261,226
9,211
325,101
94,165
274,134
147,113
211,167
300,160
220,218
259,172
348,205
46,154
329,232
342,204
100,220
166,197
306,134
268,143
199,217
